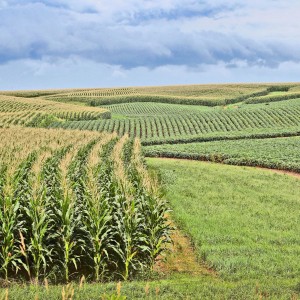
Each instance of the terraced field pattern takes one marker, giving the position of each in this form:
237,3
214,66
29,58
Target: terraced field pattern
171,115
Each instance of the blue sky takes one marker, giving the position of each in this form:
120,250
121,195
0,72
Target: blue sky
101,43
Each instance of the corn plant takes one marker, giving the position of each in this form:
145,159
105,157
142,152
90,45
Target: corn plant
53,198
102,235
3,179
10,256
68,229
38,248
78,177
23,193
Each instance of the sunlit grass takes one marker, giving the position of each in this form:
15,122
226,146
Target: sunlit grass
244,222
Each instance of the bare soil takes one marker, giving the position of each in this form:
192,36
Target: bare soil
181,258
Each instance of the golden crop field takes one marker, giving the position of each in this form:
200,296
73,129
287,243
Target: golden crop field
19,111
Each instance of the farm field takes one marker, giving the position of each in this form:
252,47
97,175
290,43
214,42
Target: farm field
155,122
249,239
76,204
208,95
37,112
183,287
243,221
186,124
70,156
274,153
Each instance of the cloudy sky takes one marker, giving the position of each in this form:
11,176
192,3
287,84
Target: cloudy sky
101,43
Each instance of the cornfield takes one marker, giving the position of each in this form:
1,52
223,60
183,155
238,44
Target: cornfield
158,123
38,112
77,203
207,95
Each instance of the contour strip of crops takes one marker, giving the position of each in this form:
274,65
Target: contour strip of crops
241,152
173,126
33,112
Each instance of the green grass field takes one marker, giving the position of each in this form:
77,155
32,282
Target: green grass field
183,287
244,222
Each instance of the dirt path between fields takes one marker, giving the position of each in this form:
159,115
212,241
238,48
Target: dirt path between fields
289,173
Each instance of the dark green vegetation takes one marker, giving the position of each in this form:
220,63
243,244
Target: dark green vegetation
275,153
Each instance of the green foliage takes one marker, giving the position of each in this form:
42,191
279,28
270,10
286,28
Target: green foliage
276,153
272,98
180,124
82,115
184,287
42,120
63,222
154,98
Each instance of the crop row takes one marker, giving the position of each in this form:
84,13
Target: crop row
100,101
86,208
80,115
272,98
175,126
12,107
103,92
24,118
33,118
153,109
190,95
207,91
275,153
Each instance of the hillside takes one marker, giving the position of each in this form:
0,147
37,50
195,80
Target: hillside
79,202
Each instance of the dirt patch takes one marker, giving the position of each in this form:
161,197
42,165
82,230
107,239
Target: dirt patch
181,258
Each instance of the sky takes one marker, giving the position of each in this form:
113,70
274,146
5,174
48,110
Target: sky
112,43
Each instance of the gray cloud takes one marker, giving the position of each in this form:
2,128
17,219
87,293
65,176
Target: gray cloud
149,34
